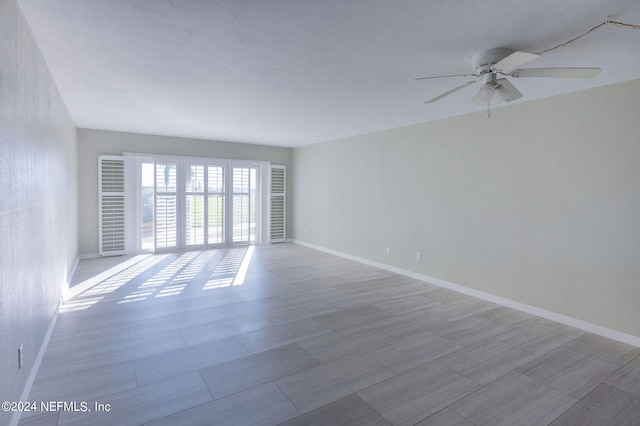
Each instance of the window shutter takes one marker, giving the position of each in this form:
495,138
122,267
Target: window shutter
111,205
277,205
166,205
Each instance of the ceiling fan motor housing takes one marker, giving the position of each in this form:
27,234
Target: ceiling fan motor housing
483,61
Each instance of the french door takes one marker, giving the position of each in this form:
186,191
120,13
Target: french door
202,204
194,205
216,205
166,205
243,219
205,204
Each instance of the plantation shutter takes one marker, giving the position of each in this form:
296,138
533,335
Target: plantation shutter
166,205
111,205
277,205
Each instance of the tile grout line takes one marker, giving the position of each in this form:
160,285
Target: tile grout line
287,396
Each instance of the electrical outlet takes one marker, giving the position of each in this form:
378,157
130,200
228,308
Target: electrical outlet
388,250
418,256
20,357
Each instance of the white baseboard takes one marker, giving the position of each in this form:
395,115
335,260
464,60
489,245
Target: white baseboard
15,419
533,310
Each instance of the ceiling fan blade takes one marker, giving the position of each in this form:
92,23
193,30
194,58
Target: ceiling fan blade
507,91
449,75
448,92
557,72
514,60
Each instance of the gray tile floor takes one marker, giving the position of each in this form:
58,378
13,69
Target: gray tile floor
286,334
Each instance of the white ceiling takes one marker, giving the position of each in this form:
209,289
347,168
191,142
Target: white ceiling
296,72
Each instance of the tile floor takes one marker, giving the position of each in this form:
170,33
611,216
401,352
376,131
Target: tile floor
285,334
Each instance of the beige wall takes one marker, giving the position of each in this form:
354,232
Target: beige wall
539,204
38,204
92,143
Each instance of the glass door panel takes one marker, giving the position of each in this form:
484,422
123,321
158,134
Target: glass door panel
240,203
215,205
147,205
195,207
244,182
166,213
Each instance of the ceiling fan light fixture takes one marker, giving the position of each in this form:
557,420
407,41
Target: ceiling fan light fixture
488,93
501,94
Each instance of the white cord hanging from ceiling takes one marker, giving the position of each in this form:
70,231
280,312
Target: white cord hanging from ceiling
607,21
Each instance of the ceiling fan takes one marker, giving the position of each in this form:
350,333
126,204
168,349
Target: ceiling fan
490,64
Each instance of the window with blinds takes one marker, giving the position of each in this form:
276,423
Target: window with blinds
111,226
277,205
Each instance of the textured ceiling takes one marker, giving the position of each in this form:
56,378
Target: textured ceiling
296,72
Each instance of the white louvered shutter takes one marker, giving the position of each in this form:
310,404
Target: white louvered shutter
111,205
277,205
